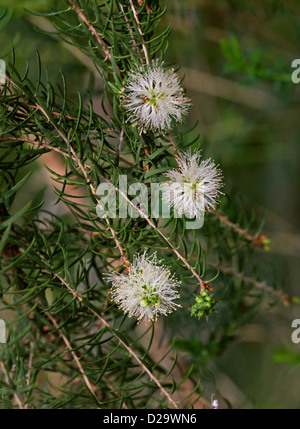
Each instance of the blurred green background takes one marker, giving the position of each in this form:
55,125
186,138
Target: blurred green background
236,56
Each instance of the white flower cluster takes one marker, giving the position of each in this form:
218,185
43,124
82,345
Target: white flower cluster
148,290
194,187
153,98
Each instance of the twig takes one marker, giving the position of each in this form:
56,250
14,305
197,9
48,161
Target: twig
140,31
135,356
75,357
75,294
174,147
176,154
30,360
17,399
130,30
227,270
52,112
91,28
120,248
121,139
108,382
129,349
203,285
257,240
83,170
151,223
146,152
104,322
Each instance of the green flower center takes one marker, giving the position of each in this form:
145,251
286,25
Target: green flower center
151,297
154,96
150,300
193,189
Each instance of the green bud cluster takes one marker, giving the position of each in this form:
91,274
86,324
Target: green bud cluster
205,305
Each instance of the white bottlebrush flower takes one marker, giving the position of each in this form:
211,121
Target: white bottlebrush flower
148,290
153,98
194,187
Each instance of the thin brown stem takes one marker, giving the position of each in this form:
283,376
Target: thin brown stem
130,31
172,247
203,285
74,355
135,356
110,385
83,170
34,106
73,292
227,270
140,31
91,28
121,139
174,147
6,377
128,348
257,240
